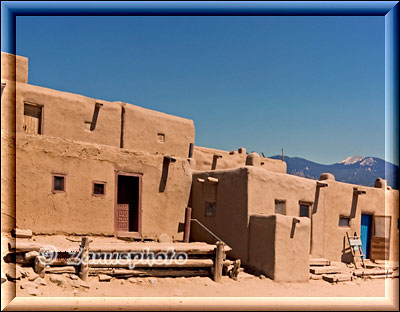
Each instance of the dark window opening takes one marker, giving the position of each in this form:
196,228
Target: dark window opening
211,210
280,206
58,183
344,222
32,119
99,188
305,211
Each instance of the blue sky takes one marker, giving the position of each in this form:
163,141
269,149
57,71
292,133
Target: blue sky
313,85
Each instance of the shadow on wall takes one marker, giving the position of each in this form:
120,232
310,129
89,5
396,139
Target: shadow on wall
347,256
293,229
164,176
353,206
316,198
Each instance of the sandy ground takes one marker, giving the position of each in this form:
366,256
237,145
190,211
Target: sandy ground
247,285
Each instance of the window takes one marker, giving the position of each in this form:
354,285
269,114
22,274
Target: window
161,137
58,183
382,226
99,188
304,210
280,206
88,124
211,209
32,119
344,221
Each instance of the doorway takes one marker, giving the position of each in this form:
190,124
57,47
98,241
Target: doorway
128,204
365,234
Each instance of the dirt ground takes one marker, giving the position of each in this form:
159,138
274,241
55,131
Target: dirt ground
247,285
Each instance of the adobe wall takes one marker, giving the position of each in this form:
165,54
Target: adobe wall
230,222
234,159
7,150
340,201
7,181
278,246
67,115
328,204
142,127
293,190
229,160
14,67
76,210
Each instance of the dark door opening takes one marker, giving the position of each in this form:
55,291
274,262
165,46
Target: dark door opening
127,212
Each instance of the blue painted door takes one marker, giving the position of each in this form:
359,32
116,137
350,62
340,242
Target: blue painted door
366,223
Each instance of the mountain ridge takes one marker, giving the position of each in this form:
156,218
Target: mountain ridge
362,170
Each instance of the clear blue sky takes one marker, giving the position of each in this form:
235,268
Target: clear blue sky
313,85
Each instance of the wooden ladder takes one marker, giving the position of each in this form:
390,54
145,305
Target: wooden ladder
356,251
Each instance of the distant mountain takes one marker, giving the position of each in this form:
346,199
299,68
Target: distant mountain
354,169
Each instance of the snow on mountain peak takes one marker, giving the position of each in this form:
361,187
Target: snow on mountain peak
352,160
368,161
364,161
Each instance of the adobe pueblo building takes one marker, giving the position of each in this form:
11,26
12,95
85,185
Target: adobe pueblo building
83,166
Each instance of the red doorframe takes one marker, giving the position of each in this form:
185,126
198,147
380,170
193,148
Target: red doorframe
139,232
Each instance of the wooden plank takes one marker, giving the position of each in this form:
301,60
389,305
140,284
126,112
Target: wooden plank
150,272
61,270
380,248
189,248
337,278
319,262
325,270
190,263
361,273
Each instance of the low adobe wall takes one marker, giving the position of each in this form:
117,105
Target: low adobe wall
204,157
279,247
76,210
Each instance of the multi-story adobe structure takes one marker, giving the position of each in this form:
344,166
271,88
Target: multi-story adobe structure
77,165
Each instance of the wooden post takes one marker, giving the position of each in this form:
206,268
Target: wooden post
219,261
188,217
84,266
40,265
